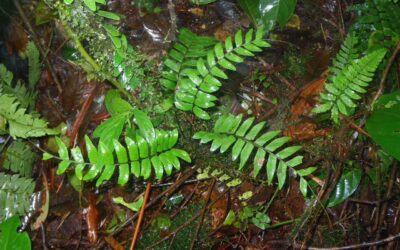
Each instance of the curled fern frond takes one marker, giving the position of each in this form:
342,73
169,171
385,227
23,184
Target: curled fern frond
194,92
15,192
19,158
183,55
345,89
270,149
20,123
137,156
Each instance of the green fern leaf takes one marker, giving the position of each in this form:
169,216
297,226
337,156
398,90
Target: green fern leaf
21,124
25,97
15,192
138,156
246,139
346,55
34,64
195,91
19,158
183,56
344,89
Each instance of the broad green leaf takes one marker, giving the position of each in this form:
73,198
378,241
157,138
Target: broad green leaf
62,149
384,123
267,137
46,156
145,125
109,15
268,12
10,238
79,162
91,4
201,113
115,104
277,143
346,186
110,130
94,159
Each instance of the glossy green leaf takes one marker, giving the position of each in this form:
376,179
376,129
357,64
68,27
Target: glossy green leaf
9,236
79,162
259,161
346,186
91,4
109,15
245,154
281,174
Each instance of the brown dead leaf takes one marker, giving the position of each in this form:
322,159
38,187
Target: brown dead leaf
305,130
307,98
113,243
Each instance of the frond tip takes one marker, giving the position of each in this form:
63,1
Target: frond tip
270,148
345,88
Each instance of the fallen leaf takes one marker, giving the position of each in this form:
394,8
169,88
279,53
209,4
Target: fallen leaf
305,130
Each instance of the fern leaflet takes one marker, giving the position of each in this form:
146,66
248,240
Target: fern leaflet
194,92
344,89
246,138
25,97
183,55
15,192
21,124
347,54
19,158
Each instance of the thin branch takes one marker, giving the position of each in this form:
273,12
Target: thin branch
141,214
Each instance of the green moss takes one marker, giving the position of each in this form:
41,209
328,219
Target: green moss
163,224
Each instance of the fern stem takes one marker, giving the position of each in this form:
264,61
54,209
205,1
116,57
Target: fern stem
93,63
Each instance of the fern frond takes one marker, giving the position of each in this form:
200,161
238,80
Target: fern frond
345,89
270,149
138,156
19,158
194,92
15,192
34,64
183,55
347,54
25,97
20,123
